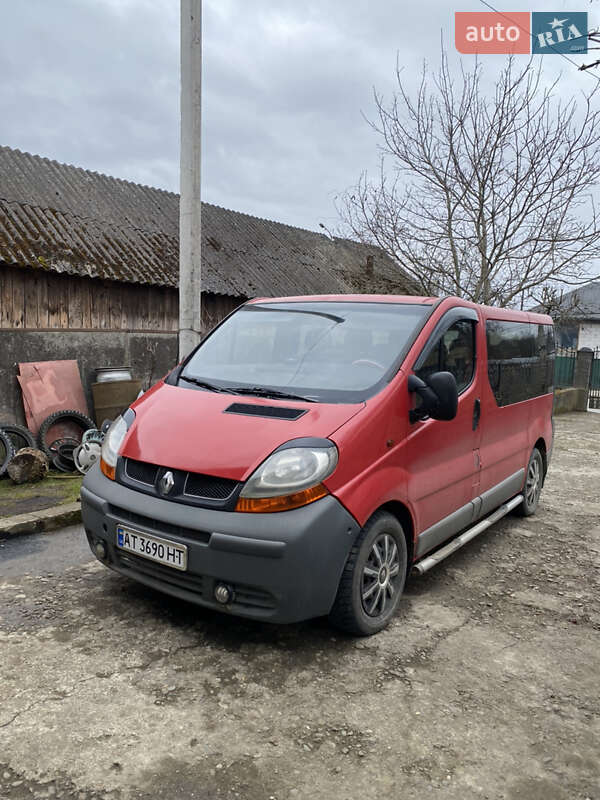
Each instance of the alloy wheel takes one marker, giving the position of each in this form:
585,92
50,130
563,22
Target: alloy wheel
380,575
534,482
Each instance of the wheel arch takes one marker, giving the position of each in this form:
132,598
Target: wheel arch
541,446
401,512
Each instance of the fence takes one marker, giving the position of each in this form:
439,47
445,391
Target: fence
564,367
594,396
579,370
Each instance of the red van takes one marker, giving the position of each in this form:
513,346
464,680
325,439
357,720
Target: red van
312,450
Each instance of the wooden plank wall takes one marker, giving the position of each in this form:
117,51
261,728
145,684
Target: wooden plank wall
215,307
32,299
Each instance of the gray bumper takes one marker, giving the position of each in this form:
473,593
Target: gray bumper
284,567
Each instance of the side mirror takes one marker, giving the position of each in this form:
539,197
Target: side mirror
439,395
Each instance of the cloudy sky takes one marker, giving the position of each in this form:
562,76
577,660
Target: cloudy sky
285,85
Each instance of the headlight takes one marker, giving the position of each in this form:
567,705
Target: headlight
113,439
289,478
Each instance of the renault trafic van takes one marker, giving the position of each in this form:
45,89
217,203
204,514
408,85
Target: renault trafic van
311,451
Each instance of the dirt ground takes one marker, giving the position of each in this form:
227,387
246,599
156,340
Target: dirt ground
485,686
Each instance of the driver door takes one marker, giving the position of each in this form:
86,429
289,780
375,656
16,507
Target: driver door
444,456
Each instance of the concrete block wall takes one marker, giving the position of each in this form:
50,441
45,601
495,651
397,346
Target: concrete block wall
150,356
570,400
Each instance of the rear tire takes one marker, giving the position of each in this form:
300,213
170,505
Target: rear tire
373,578
534,480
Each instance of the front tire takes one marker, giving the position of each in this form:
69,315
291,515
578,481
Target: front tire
373,578
534,480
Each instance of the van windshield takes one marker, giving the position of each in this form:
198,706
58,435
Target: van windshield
320,351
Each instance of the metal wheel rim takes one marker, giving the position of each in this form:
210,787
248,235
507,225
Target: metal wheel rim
53,446
533,485
92,435
380,575
86,455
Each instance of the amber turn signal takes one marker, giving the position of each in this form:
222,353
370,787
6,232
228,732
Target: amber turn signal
285,503
107,470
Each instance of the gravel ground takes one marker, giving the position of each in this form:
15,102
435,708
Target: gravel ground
485,686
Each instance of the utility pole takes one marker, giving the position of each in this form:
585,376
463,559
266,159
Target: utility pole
190,286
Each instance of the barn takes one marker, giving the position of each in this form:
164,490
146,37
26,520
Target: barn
89,270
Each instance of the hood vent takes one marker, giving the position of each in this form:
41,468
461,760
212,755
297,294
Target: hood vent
272,412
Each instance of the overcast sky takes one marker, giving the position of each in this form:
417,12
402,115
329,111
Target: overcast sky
95,83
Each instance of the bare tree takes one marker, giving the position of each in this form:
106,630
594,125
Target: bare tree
563,308
485,198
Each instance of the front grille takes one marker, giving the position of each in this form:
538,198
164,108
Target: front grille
209,486
274,412
192,488
141,471
124,515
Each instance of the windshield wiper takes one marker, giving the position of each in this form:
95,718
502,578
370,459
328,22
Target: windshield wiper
259,391
263,391
207,385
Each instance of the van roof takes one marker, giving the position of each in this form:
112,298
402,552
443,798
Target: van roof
349,298
489,312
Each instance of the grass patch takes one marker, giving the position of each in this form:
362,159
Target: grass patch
52,491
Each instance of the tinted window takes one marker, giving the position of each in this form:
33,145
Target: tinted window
330,351
545,351
520,360
453,352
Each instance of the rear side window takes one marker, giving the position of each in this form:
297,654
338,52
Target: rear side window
520,360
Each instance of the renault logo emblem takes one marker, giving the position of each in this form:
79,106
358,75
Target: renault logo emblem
166,483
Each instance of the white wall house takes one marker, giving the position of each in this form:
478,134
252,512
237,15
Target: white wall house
589,335
580,323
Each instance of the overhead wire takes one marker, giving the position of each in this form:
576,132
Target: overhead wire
558,53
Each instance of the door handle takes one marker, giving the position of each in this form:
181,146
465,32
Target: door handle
476,413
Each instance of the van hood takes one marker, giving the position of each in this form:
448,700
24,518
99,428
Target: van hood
191,430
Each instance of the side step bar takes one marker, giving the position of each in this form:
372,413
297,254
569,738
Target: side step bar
425,564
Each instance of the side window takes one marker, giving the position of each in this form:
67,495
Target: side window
520,360
543,382
453,352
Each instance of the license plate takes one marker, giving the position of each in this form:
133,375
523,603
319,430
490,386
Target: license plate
163,551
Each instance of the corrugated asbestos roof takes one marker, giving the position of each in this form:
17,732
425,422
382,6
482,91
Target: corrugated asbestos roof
583,302
67,219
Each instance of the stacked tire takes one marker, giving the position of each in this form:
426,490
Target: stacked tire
58,449
12,439
73,418
19,435
7,451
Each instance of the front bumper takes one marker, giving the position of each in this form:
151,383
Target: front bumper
283,567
